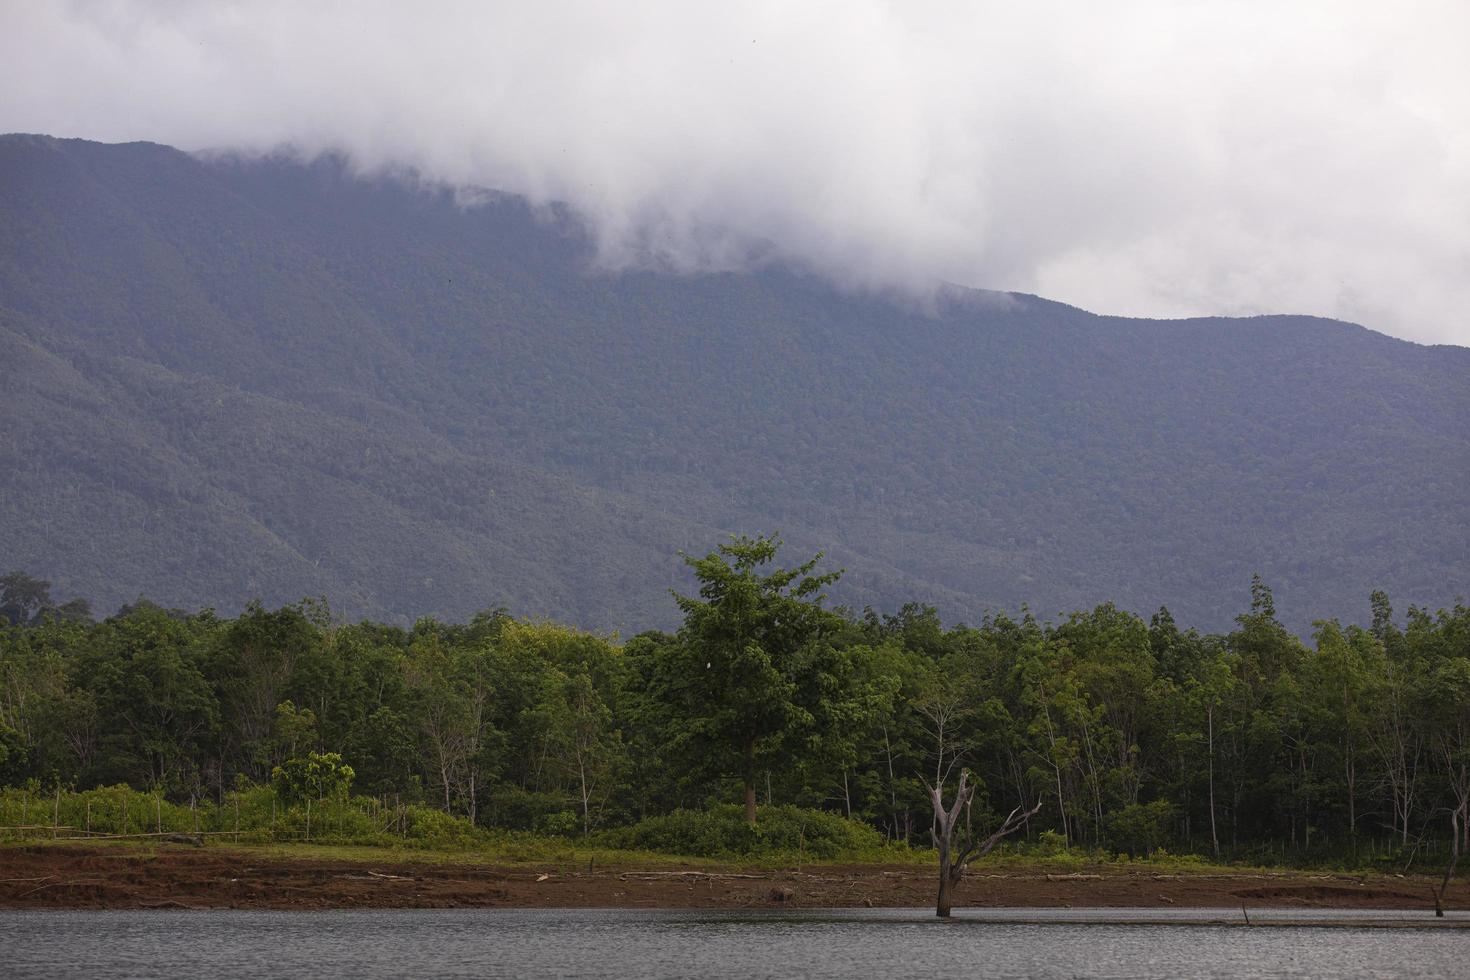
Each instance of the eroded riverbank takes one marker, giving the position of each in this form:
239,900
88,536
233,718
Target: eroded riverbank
89,877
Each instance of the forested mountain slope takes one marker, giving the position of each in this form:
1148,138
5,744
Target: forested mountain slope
222,379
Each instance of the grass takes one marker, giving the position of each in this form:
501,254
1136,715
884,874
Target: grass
362,830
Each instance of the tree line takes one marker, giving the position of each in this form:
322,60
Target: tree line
1106,730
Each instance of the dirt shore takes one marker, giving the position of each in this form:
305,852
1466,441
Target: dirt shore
89,877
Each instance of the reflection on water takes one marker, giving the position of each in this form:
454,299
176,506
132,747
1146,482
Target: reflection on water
640,943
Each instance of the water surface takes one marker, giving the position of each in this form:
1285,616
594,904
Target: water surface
661,943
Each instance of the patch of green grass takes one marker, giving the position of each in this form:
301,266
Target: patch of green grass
787,833
361,829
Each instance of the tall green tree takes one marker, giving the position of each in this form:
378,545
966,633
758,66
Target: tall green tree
742,673
22,597
146,674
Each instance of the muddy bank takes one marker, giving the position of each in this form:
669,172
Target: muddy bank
71,876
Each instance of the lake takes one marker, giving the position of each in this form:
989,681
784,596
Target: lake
662,943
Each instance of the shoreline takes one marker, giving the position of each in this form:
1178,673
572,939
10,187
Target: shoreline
70,876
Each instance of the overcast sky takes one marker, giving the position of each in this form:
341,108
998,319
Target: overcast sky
1141,158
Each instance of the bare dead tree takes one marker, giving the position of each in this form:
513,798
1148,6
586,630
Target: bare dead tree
954,856
942,712
1449,872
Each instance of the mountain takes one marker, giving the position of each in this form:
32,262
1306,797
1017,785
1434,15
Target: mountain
225,378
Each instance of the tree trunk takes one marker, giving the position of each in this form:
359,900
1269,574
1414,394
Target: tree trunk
1347,763
892,785
586,796
750,780
1051,744
946,825
1352,796
945,901
1214,835
1449,872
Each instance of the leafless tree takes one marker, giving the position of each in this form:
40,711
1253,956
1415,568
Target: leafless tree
955,855
1449,872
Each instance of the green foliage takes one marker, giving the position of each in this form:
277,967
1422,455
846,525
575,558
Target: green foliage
722,832
13,754
1134,737
315,776
105,810
1141,828
753,663
251,813
564,823
514,808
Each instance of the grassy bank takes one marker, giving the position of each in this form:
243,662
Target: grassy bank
257,817
371,829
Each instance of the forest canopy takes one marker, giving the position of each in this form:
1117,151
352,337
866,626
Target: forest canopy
1131,734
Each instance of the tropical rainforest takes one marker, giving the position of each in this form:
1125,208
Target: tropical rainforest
1131,734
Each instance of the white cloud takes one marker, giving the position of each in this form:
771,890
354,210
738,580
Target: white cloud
1145,158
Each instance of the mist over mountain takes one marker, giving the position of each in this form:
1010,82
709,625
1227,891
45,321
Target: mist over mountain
224,378
1146,159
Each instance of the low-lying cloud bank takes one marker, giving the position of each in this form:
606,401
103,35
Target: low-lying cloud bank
1143,158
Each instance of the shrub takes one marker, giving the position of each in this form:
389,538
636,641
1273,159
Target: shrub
721,831
314,776
428,827
1141,827
563,823
333,820
513,808
106,810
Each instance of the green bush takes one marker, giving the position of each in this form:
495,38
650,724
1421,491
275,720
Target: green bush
336,821
721,831
563,823
1049,843
1141,827
513,808
314,776
427,827
106,810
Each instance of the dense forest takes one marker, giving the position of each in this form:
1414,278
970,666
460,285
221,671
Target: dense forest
223,378
1132,734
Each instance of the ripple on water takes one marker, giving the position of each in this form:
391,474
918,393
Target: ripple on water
663,943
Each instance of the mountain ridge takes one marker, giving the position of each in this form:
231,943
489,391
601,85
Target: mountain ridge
278,378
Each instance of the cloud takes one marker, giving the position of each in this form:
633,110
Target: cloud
1142,158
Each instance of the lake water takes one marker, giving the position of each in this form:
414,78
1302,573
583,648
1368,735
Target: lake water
647,943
